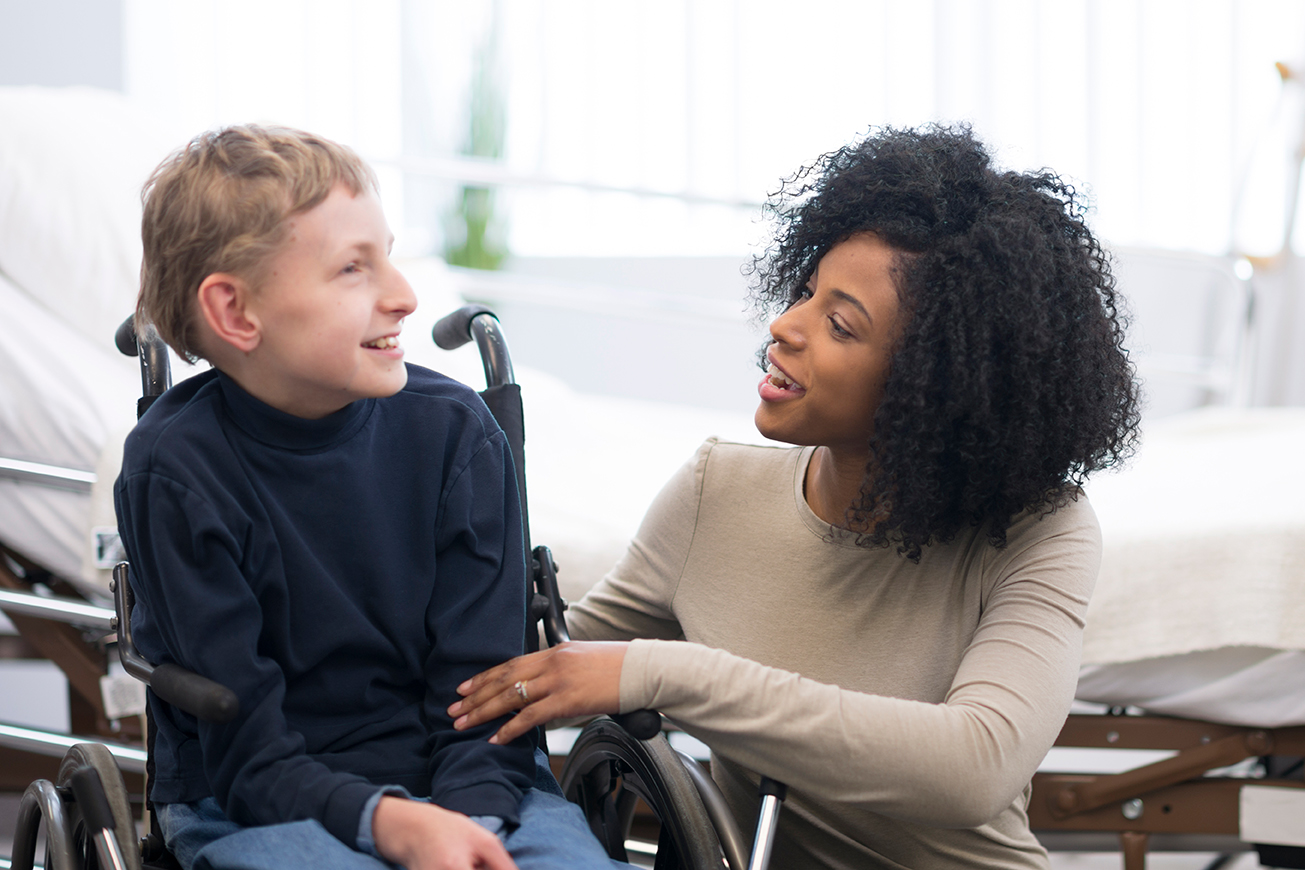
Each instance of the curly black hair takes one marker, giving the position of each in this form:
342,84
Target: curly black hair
1009,383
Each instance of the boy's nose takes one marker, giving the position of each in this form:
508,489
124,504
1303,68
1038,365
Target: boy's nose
399,297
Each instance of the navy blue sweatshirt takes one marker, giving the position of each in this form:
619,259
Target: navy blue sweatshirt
342,576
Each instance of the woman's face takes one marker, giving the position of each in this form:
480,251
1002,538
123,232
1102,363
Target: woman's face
831,350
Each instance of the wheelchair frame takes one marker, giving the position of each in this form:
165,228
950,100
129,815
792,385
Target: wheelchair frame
618,760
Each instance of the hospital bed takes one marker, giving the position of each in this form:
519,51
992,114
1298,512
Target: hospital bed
1164,620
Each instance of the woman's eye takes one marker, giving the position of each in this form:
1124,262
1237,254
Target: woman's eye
838,330
351,268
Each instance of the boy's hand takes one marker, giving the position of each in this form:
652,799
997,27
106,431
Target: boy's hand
578,678
422,836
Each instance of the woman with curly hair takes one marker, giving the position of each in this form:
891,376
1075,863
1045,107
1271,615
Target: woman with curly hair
888,616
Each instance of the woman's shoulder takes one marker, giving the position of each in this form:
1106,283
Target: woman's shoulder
1061,538
731,466
1069,514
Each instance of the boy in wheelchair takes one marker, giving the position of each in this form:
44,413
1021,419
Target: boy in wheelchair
333,535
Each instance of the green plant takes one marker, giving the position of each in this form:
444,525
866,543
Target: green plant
475,233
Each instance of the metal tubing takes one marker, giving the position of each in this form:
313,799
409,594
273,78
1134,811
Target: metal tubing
53,476
129,758
155,372
57,609
488,333
42,800
767,822
106,847
134,663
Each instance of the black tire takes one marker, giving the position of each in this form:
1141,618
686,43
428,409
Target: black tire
97,756
607,770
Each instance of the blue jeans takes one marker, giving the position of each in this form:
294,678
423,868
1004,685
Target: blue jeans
553,835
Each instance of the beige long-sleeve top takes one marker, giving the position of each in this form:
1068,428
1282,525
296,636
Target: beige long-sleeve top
906,705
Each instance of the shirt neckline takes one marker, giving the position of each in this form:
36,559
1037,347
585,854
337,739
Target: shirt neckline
277,428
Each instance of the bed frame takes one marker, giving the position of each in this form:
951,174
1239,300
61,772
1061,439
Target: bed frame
1171,805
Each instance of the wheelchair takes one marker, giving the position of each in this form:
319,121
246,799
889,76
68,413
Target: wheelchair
616,764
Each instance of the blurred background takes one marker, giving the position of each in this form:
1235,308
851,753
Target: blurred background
600,165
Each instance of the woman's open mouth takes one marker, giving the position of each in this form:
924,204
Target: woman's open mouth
780,380
777,386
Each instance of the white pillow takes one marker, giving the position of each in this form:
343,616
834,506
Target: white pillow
72,163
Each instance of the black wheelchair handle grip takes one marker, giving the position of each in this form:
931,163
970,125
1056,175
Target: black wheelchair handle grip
89,791
124,338
453,330
640,724
198,696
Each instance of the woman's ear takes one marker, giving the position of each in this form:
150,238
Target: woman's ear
224,304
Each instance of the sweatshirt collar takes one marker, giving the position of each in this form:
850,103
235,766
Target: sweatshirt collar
276,428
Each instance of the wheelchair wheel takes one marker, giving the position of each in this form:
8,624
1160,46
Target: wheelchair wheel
608,771
97,756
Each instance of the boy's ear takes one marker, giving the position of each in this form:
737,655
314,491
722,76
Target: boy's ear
224,304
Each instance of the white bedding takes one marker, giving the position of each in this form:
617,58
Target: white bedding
1200,606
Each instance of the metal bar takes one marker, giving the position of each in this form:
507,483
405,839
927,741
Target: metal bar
53,476
57,609
492,344
1189,763
42,797
129,758
132,661
767,823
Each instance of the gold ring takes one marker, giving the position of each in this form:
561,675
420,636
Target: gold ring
521,690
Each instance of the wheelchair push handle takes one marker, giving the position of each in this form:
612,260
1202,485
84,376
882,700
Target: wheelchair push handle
155,370
454,330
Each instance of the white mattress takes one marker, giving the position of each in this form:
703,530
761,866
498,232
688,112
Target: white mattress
1200,606
60,397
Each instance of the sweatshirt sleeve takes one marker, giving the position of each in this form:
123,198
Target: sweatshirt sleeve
195,608
477,619
958,763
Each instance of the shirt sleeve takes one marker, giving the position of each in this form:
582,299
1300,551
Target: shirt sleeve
954,764
477,619
256,766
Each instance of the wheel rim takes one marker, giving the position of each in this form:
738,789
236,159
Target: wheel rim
607,770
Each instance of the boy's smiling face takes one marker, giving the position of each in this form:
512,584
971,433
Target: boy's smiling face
329,311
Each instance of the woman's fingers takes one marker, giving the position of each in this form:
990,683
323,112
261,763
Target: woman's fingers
571,679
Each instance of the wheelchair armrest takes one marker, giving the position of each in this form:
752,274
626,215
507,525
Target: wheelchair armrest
198,696
186,690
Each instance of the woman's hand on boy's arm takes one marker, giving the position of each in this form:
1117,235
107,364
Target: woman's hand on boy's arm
571,679
422,836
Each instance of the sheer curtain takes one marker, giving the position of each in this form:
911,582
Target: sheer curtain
654,129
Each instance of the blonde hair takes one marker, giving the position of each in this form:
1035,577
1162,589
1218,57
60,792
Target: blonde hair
220,205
